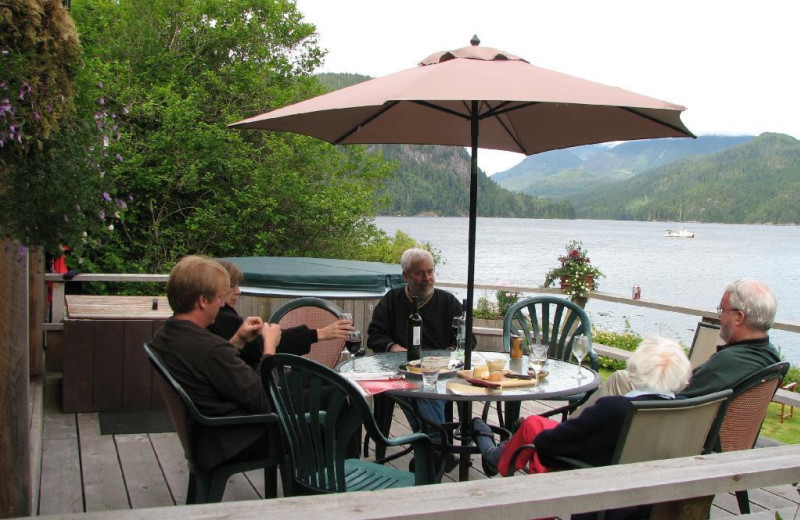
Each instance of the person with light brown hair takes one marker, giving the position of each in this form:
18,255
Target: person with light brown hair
294,340
209,367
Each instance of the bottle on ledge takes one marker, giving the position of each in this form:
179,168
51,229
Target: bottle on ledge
414,330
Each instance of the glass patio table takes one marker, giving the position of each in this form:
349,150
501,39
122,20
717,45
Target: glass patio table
561,382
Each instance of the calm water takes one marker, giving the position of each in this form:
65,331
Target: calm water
690,272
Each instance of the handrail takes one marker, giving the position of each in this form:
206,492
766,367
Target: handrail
613,298
529,496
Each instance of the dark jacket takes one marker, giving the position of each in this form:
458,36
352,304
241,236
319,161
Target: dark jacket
218,381
389,320
295,340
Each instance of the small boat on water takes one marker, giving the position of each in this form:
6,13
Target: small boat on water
682,233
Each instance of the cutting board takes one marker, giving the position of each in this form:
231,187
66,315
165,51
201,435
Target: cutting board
506,382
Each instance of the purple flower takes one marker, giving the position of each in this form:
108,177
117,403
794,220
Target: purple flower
118,157
77,207
106,196
130,198
49,109
121,204
100,84
102,215
66,218
102,100
125,110
36,115
3,85
5,106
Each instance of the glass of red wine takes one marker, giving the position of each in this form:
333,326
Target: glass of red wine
353,343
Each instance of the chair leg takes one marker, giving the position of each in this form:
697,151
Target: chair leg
191,490
271,482
744,502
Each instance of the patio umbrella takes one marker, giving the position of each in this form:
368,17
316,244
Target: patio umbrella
478,97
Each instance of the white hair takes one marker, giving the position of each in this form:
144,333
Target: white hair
755,300
412,256
660,364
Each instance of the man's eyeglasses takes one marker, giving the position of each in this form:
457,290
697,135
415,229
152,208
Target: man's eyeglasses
720,310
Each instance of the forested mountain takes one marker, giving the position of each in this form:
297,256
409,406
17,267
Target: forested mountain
757,182
568,173
435,179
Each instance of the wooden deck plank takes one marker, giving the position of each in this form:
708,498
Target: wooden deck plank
35,427
240,488
173,463
61,489
103,484
146,484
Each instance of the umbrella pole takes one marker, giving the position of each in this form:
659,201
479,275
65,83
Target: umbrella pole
473,202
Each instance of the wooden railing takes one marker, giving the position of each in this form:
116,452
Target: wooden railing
520,497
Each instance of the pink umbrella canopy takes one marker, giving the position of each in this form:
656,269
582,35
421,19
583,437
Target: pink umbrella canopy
522,108
478,97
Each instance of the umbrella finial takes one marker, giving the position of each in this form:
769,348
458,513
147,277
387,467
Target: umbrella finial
475,41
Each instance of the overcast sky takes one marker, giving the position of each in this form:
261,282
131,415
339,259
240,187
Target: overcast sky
733,64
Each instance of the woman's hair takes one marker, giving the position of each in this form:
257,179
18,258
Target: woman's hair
234,271
659,364
755,300
192,277
411,256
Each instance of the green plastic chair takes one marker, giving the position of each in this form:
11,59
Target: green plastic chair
207,486
554,322
319,412
659,429
314,313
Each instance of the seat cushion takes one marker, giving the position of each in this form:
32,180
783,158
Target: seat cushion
362,475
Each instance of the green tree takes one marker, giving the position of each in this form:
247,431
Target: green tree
186,69
52,157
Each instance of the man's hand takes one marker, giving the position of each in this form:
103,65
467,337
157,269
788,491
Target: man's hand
248,331
340,329
271,332
396,347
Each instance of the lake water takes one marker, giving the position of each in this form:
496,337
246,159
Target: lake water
677,271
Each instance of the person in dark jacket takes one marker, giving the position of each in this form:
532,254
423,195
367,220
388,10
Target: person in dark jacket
208,366
294,340
658,369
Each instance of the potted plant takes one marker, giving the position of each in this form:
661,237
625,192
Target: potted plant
575,272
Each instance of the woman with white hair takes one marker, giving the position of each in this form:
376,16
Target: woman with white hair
658,369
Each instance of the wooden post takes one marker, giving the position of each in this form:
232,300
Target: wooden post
15,467
38,310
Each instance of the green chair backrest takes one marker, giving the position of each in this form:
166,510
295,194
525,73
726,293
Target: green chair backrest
549,320
319,412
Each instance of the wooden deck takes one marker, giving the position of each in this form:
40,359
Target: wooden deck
83,471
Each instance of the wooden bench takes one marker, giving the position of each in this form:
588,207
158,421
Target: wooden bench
520,497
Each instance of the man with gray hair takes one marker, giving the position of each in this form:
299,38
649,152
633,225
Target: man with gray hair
746,312
388,333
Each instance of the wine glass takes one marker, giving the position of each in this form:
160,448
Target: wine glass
537,360
580,348
353,345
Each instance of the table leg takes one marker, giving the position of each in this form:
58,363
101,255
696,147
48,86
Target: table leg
465,418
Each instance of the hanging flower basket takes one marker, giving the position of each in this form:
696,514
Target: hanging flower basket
577,275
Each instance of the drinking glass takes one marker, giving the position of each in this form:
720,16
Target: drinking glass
353,343
580,348
430,367
538,358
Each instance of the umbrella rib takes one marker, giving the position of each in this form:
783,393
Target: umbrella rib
500,110
386,107
658,121
452,112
